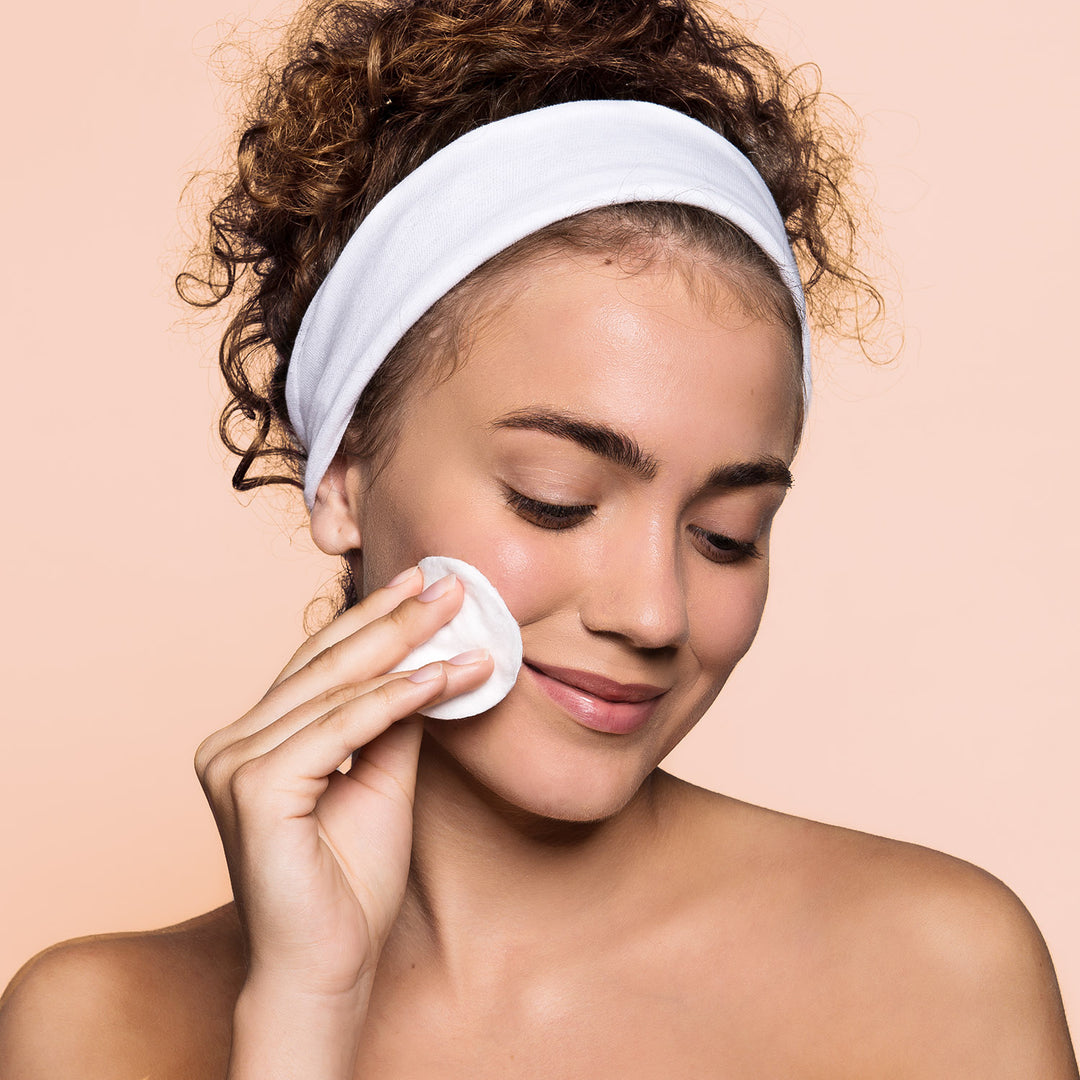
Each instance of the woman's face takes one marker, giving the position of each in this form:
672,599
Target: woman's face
610,453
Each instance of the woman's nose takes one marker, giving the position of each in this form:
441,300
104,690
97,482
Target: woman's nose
636,591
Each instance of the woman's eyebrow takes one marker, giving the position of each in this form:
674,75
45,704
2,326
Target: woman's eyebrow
742,474
600,439
618,447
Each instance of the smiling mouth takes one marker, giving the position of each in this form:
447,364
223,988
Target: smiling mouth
596,701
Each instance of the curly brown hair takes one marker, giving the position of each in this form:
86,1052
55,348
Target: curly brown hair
361,93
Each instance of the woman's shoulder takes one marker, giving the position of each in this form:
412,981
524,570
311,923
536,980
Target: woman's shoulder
859,873
125,1004
894,944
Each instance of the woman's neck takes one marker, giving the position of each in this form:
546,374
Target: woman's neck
486,872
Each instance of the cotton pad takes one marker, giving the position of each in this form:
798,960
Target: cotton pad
484,622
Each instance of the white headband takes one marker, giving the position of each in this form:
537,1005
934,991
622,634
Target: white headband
483,192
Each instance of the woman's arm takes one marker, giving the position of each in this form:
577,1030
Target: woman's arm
318,861
318,858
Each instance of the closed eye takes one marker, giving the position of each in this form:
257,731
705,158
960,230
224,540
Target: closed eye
714,546
548,515
723,549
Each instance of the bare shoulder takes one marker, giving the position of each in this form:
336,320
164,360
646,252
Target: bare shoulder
905,954
136,1004
969,985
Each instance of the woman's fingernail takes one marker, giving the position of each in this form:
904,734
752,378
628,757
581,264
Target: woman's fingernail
473,656
438,588
401,578
426,673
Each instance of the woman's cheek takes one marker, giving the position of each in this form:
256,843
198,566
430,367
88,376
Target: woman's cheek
531,572
435,516
724,621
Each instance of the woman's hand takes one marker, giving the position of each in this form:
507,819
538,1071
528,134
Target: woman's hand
319,859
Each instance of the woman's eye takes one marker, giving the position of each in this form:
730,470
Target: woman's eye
723,549
547,515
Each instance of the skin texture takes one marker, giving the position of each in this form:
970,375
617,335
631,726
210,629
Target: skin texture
627,593
517,894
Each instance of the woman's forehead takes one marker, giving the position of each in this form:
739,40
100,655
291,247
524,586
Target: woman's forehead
642,349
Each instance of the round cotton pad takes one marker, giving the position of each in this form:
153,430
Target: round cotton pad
484,622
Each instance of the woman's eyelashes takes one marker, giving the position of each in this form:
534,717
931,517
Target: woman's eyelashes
547,515
723,549
716,547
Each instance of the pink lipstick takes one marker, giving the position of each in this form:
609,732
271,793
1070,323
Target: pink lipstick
596,701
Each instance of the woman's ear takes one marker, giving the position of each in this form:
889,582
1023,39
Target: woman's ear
335,517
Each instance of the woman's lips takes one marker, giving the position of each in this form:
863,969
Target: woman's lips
595,701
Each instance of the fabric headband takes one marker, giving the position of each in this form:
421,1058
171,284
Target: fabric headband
479,195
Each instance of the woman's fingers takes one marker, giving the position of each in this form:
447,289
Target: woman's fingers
294,756
376,604
293,774
385,767
319,857
374,648
347,664
459,677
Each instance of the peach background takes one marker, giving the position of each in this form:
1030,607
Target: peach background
915,672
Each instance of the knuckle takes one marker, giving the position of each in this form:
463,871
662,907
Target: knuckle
208,757
410,624
336,721
204,754
246,780
386,694
390,694
217,772
400,617
339,695
327,661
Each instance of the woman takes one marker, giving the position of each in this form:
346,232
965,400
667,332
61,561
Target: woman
602,418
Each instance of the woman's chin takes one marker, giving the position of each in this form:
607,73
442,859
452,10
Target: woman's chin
570,805
561,803
538,777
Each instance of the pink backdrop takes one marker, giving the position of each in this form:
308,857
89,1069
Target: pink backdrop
915,673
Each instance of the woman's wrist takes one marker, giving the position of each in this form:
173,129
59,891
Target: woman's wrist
280,1033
